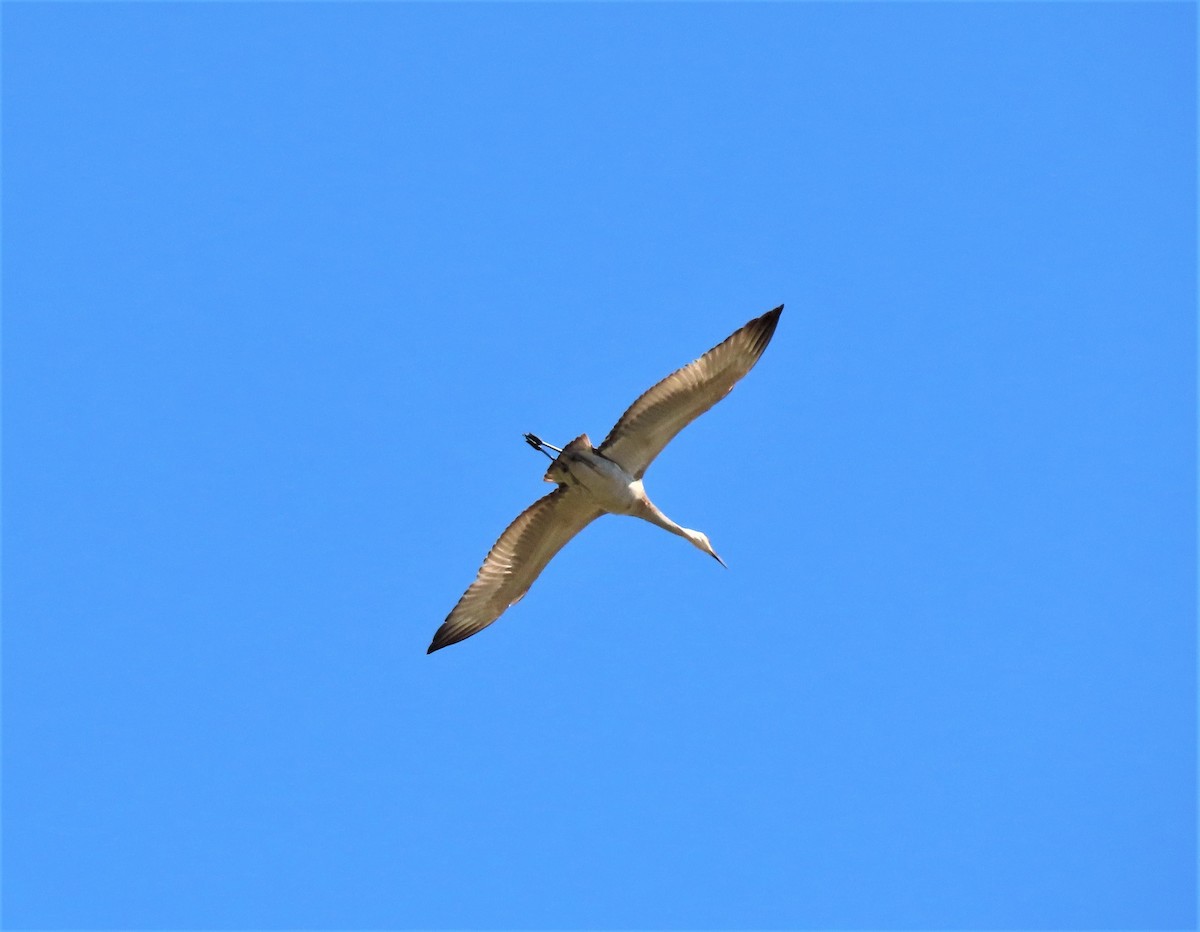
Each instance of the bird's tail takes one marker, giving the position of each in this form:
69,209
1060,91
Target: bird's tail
558,470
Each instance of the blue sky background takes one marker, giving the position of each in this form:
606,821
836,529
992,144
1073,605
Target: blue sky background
283,286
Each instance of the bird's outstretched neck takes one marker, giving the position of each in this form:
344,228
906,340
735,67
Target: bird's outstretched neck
697,539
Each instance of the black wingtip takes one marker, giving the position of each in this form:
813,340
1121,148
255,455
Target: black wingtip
761,329
767,321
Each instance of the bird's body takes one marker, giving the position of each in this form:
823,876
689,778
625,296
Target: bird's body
592,481
609,487
579,466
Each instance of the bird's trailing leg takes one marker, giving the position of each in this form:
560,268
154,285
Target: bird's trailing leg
540,445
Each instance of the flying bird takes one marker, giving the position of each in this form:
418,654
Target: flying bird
592,481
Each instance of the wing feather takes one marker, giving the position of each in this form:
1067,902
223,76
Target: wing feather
515,561
658,415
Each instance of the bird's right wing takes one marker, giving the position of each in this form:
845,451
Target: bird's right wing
667,408
515,561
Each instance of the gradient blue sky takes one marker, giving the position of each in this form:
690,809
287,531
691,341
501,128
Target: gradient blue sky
284,284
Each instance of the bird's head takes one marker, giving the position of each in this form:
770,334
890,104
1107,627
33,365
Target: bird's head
701,542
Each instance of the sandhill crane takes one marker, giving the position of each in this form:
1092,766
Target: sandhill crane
606,479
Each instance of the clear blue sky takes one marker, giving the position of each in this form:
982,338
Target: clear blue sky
285,283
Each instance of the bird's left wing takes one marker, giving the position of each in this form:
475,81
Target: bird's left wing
516,560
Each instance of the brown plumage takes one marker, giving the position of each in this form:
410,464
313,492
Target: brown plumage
607,479
654,419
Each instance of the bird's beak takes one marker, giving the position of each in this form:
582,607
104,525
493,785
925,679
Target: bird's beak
713,554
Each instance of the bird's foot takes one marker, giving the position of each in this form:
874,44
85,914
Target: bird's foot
540,445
